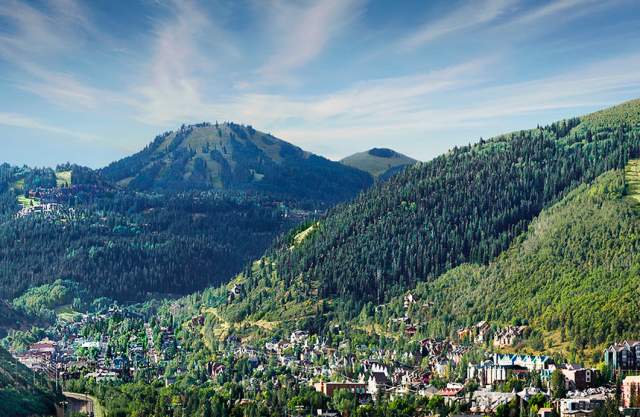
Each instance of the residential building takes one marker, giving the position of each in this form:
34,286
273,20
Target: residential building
378,381
451,394
328,388
508,336
532,363
631,392
488,373
579,407
578,378
487,402
545,412
623,356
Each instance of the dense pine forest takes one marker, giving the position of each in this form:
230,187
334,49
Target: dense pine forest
123,245
467,206
573,276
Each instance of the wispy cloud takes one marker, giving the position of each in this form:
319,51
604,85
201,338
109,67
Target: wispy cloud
303,32
204,62
456,97
37,41
27,122
470,15
183,71
453,99
575,7
186,50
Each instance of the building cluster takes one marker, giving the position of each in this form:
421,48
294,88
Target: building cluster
504,367
482,332
585,392
68,354
46,209
371,373
509,335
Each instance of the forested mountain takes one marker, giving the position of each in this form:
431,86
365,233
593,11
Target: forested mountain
229,156
573,275
467,206
380,162
23,393
69,223
186,212
124,245
11,319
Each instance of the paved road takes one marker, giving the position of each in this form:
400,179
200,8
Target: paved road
83,403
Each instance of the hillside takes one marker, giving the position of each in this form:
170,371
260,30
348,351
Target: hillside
467,206
124,244
186,212
572,276
229,156
23,393
379,162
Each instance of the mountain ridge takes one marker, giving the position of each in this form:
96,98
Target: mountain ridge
467,206
230,156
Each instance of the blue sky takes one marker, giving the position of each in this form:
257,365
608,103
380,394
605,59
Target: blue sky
92,81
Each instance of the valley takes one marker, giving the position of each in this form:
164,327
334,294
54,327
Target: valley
319,208
431,292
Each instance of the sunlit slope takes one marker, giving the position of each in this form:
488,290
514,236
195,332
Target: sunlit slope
467,206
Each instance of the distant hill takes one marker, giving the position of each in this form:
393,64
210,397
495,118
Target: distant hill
379,162
22,393
230,156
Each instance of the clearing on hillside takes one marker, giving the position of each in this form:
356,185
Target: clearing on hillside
19,185
63,179
632,180
27,201
300,237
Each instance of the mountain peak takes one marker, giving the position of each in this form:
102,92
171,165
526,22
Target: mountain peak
231,156
379,162
382,152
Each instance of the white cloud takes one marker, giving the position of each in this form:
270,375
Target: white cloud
36,40
35,34
383,111
451,99
193,70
